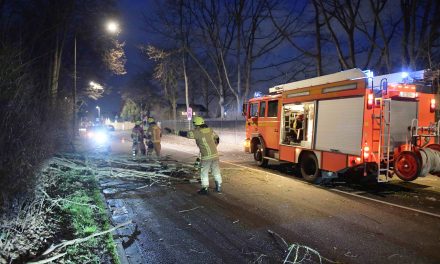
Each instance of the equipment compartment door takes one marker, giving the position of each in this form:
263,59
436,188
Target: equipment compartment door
339,125
402,113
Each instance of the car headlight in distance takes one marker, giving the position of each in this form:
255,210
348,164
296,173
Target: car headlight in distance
101,137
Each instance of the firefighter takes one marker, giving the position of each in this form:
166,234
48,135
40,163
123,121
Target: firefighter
298,128
207,141
154,135
137,135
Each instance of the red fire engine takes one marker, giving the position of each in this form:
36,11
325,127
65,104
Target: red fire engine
348,122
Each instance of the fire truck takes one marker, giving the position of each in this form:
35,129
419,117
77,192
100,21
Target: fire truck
349,123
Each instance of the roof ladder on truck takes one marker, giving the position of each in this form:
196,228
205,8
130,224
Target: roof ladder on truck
381,137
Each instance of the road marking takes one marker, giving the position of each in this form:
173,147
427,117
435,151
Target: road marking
331,189
348,193
387,203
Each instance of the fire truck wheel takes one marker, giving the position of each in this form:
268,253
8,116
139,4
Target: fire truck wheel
309,166
407,166
259,157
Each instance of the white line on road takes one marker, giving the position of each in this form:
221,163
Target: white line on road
387,203
348,193
331,189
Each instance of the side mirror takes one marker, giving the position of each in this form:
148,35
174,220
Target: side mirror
244,110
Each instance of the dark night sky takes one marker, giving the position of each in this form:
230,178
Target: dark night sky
132,34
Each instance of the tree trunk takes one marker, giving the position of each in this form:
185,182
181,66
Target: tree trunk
174,109
318,57
221,102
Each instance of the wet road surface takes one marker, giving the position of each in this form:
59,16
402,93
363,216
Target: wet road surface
175,225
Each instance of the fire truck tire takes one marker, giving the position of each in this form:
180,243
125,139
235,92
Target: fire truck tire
259,155
309,166
407,166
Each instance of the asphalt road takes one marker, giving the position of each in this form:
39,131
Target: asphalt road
257,210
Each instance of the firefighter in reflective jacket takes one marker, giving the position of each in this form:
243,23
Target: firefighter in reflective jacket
153,137
137,135
207,141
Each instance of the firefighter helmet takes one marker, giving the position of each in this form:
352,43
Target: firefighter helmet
138,123
150,120
198,121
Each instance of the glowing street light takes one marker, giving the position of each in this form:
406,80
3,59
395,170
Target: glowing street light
113,27
99,111
96,86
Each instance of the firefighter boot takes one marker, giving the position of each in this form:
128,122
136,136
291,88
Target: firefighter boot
218,187
197,164
203,191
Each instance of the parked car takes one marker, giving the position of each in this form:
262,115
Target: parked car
110,128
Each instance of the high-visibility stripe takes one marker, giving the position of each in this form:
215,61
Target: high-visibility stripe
208,149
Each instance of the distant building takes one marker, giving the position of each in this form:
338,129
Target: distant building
198,110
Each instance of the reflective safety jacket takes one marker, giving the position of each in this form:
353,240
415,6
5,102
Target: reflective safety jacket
154,133
137,134
206,140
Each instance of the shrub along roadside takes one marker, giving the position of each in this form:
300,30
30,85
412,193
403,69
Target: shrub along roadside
70,201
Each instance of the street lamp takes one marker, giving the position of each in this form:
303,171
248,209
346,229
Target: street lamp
99,112
113,27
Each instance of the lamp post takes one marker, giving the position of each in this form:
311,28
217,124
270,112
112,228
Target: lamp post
99,112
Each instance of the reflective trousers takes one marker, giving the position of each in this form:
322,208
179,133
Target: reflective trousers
156,147
206,166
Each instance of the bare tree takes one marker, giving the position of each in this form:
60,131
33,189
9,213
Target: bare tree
380,34
167,73
115,58
344,12
420,31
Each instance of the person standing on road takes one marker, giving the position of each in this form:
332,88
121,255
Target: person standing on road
154,135
137,135
207,141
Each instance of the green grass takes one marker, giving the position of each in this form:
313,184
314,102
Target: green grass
81,187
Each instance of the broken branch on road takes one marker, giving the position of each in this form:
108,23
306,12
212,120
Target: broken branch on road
81,240
195,208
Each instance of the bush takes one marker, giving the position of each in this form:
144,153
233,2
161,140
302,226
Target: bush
30,128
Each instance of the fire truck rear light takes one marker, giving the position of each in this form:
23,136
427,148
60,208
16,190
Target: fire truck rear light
370,101
432,106
358,160
366,152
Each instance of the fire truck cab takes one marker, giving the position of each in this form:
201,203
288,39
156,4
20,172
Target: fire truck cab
348,122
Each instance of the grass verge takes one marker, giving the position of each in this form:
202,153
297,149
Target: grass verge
67,206
85,214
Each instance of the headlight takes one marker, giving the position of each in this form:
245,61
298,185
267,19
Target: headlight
101,137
